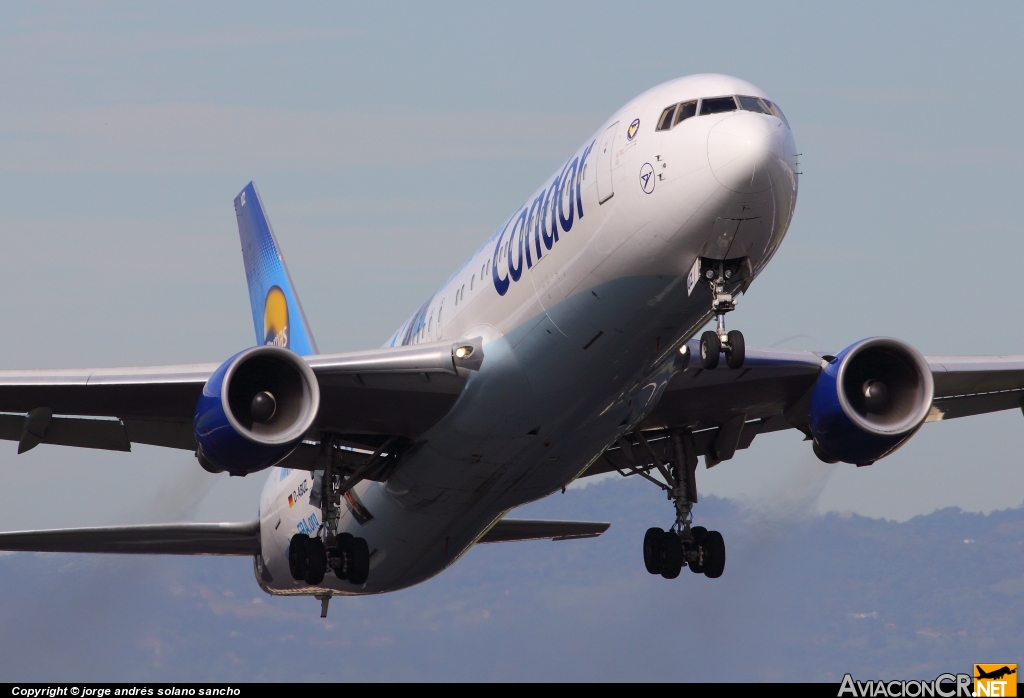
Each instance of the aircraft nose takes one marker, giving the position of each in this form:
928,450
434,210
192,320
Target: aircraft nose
745,152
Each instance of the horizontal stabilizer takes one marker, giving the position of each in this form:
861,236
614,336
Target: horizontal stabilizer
239,538
508,530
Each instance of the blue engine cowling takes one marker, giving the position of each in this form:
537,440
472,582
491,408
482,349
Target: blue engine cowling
230,437
870,400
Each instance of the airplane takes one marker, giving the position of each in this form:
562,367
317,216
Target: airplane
996,674
565,347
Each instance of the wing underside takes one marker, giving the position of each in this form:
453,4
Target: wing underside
366,397
724,410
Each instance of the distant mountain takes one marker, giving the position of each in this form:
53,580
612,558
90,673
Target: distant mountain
801,599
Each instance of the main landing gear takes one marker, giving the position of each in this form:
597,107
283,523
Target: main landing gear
348,557
310,557
715,342
703,551
683,545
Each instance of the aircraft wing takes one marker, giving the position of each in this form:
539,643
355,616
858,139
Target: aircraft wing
365,396
726,409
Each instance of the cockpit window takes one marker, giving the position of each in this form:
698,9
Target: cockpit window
665,122
717,105
777,112
686,110
753,104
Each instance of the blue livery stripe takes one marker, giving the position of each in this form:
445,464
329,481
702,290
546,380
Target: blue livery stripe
276,312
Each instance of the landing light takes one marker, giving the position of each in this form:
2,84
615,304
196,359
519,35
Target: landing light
463,352
684,350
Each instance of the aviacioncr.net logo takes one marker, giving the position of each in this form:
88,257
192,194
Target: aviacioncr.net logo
943,686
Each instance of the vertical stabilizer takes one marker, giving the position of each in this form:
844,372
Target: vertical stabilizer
276,312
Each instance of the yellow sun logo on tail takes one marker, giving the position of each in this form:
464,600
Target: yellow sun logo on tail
275,318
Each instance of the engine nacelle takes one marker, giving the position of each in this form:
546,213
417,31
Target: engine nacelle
254,410
870,400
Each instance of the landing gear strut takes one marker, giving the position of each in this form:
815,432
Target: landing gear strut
348,557
713,342
667,552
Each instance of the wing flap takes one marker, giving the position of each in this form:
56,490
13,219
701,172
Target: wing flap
238,538
509,530
169,433
108,434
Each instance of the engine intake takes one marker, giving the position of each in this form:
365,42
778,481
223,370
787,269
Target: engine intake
254,410
870,400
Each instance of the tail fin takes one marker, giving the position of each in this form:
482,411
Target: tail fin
276,312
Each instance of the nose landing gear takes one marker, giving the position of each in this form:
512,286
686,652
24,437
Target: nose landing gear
714,342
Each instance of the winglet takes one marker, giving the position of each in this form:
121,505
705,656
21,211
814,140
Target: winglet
276,312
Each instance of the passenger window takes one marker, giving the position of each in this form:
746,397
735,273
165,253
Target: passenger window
665,122
753,104
686,110
717,105
777,112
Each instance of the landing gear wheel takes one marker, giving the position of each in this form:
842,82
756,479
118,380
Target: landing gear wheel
297,555
653,549
672,555
714,546
710,348
339,559
737,350
359,562
699,535
316,561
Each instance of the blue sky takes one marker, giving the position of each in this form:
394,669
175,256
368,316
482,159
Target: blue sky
389,139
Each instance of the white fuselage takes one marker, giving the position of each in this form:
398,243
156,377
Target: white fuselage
581,299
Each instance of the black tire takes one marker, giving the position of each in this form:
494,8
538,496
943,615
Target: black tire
297,554
316,561
699,534
715,562
671,556
359,562
710,348
653,549
340,558
737,350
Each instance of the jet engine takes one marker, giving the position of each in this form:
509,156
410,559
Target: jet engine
869,400
254,410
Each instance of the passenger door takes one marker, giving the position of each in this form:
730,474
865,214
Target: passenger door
604,164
